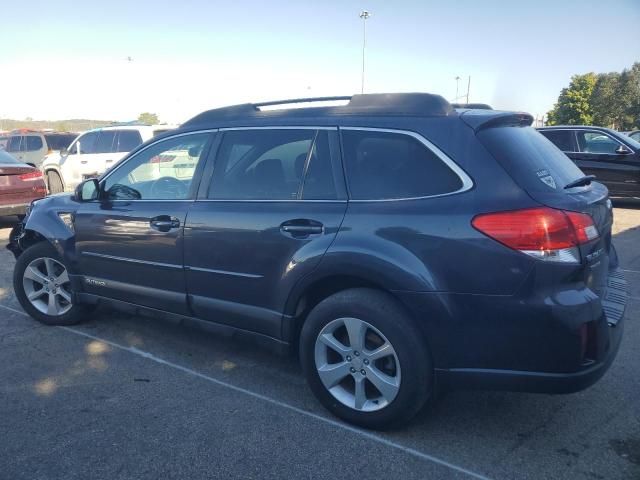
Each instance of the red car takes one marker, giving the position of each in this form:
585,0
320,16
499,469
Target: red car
19,184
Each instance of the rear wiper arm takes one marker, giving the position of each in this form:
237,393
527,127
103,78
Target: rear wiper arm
581,182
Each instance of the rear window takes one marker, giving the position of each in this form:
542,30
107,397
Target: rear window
530,158
58,141
13,145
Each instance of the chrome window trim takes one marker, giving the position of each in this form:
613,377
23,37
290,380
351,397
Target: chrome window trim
278,127
254,200
575,134
467,183
163,139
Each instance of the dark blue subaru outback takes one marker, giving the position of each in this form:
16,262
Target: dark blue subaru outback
398,244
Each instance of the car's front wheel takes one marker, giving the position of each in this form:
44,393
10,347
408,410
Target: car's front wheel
54,182
365,359
43,288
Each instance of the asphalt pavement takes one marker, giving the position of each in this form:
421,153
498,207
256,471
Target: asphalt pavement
124,397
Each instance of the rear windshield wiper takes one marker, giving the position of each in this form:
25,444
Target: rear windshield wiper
580,182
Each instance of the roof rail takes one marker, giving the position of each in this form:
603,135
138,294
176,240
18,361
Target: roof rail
300,100
406,104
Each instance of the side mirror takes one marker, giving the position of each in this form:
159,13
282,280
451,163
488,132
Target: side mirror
64,152
622,150
87,190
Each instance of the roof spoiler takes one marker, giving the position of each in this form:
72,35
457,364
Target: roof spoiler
478,106
481,119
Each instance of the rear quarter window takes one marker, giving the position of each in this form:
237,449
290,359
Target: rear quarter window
34,143
389,165
532,160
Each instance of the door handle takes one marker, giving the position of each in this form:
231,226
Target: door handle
302,227
109,161
164,223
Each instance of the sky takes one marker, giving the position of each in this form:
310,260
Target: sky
113,59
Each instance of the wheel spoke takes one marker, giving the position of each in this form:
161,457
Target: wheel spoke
388,386
48,266
52,306
36,294
356,329
32,273
62,278
332,374
64,295
381,352
360,395
333,343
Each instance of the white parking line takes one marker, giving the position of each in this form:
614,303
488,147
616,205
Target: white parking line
273,401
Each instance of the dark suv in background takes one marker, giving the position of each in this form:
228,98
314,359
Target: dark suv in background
614,158
398,244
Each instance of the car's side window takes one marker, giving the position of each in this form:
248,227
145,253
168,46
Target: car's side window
163,171
389,165
15,144
105,141
87,143
273,164
127,140
563,139
597,142
33,143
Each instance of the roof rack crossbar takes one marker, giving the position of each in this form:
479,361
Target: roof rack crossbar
301,100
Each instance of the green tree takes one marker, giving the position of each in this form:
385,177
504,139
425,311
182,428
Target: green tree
629,98
150,118
605,102
574,103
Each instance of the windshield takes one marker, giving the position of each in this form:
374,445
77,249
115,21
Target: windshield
635,144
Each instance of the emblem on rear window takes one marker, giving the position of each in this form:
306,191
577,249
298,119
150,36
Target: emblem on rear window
546,178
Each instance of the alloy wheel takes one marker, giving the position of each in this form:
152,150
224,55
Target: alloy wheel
47,287
357,364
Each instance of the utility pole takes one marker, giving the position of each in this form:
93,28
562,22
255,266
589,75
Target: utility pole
457,85
364,15
468,87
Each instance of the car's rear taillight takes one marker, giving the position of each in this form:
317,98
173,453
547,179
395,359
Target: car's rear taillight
544,233
36,174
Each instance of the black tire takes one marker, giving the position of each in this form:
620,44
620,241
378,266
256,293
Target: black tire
74,315
54,182
385,314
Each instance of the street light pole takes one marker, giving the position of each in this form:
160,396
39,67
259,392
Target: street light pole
364,15
457,85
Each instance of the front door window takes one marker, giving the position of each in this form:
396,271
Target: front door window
164,171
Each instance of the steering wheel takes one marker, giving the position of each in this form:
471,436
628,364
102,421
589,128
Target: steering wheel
168,187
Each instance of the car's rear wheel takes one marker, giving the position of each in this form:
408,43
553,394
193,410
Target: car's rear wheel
365,359
43,288
54,182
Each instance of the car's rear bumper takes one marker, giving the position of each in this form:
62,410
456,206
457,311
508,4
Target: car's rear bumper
535,382
531,344
13,209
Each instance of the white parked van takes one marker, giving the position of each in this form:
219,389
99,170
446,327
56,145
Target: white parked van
31,146
93,152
